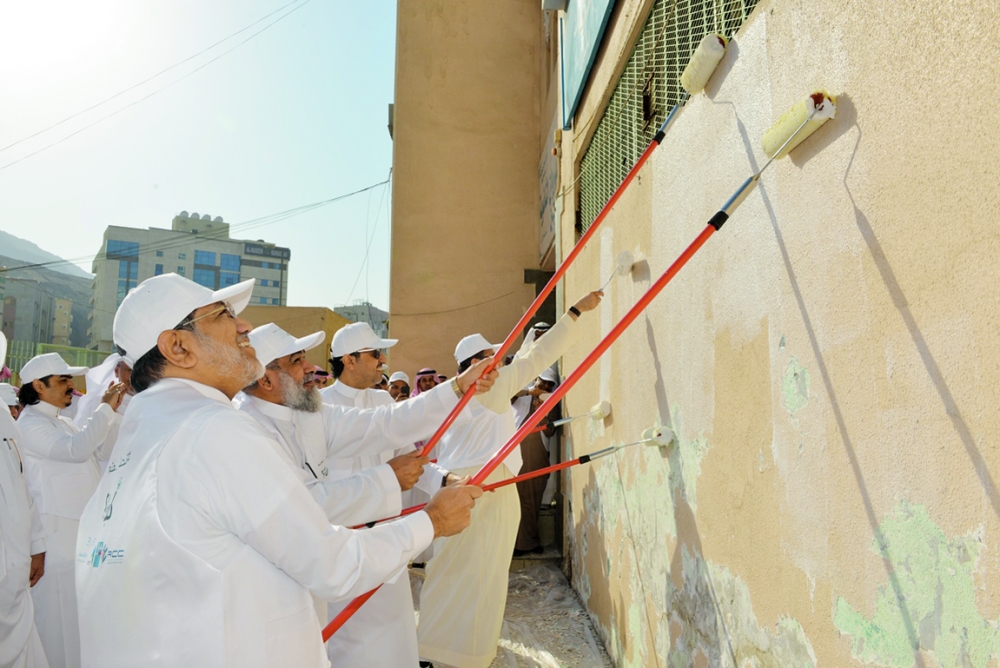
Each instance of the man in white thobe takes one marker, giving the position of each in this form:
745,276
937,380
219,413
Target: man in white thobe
383,632
465,591
22,551
310,432
207,554
61,463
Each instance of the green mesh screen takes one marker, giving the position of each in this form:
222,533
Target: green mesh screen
648,88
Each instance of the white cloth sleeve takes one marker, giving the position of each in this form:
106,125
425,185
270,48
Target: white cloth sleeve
366,496
541,355
38,530
242,485
351,432
44,441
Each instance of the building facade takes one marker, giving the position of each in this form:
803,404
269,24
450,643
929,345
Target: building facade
472,82
363,311
196,247
29,312
827,360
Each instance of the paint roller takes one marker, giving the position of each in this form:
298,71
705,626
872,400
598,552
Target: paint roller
623,267
660,437
819,106
600,411
701,70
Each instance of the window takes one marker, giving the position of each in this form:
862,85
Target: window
274,301
204,257
646,90
182,256
275,284
158,270
180,270
230,262
205,277
263,300
118,249
159,253
228,278
263,282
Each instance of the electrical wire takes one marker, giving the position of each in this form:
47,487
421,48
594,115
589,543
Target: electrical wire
159,90
452,310
185,240
147,80
369,241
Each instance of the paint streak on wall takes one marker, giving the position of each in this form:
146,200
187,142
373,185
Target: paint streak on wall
934,576
795,387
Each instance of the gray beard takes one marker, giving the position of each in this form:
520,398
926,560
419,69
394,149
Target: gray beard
231,361
298,398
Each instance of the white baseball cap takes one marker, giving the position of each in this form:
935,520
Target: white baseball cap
49,364
8,394
160,303
471,345
399,375
550,375
357,336
271,342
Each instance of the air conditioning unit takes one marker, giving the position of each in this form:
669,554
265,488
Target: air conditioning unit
554,5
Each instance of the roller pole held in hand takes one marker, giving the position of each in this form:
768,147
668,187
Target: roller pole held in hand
554,281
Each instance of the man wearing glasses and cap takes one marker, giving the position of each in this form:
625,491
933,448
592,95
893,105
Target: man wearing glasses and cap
200,547
61,461
22,551
383,631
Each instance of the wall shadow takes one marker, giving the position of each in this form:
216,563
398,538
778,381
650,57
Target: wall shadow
845,436
930,364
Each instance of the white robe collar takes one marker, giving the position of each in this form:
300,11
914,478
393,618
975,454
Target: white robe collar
272,410
46,408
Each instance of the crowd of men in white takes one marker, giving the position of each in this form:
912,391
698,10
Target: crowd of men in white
197,512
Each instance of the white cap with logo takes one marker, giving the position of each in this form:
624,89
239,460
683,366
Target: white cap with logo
471,345
272,342
49,364
8,394
357,336
399,375
161,303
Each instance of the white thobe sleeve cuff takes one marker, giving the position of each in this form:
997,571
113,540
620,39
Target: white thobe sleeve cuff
432,479
422,529
393,493
37,546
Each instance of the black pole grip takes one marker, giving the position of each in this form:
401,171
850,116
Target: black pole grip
718,220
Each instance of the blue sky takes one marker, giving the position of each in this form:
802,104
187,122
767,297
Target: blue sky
296,115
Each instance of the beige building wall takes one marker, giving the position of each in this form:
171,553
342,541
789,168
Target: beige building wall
301,321
467,142
829,359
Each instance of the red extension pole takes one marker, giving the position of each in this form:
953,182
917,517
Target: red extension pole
550,286
562,389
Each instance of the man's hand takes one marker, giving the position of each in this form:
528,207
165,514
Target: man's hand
37,568
470,376
588,302
454,480
113,395
451,509
408,468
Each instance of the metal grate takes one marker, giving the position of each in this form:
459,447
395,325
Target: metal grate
648,88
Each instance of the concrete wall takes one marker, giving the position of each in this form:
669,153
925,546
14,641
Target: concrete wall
465,174
829,360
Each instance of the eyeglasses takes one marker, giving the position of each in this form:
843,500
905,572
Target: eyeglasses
375,352
226,306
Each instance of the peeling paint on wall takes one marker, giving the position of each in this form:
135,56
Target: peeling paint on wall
795,386
714,616
935,578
